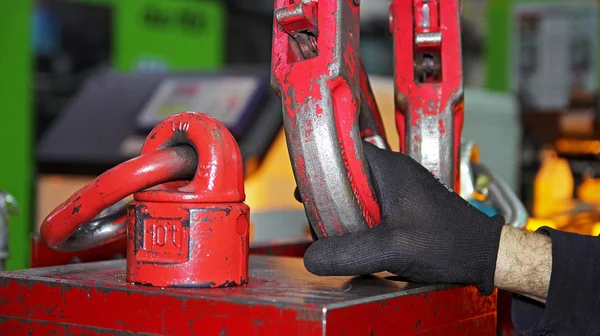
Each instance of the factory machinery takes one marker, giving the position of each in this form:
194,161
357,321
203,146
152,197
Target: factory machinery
189,268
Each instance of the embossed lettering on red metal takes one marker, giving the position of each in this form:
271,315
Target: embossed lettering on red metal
429,83
192,234
321,101
180,232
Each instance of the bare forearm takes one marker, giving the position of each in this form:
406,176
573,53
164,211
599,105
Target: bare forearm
524,263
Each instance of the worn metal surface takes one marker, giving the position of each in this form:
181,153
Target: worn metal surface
8,206
187,226
282,298
429,83
316,72
73,225
191,233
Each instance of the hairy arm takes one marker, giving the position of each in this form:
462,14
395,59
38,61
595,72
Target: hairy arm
524,263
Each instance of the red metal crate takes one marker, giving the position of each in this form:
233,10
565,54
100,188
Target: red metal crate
281,299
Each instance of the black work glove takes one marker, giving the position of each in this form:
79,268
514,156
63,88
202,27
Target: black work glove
428,233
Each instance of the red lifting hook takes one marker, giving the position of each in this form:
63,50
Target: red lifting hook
178,233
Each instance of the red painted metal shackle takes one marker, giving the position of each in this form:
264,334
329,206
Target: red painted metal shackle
192,234
187,225
318,74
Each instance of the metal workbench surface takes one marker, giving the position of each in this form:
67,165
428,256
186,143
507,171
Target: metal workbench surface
281,298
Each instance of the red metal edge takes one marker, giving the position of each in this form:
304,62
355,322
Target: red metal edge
369,99
12,326
150,313
431,313
459,310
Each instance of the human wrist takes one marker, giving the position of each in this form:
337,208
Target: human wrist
524,263
483,250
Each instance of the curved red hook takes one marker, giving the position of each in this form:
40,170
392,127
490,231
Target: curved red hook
169,164
189,145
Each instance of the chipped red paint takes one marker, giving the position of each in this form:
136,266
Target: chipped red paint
356,169
430,314
188,244
284,299
109,188
184,228
219,176
442,128
42,328
324,82
436,96
192,234
299,17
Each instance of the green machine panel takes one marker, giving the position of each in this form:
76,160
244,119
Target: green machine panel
156,35
159,35
503,22
16,124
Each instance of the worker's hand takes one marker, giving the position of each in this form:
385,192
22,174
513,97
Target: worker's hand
428,234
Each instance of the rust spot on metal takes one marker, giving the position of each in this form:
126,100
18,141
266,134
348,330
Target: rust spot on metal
76,209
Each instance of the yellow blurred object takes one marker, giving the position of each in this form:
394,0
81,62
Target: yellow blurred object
535,223
553,187
596,229
554,205
383,90
271,187
589,191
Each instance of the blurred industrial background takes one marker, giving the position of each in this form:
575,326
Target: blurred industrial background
83,81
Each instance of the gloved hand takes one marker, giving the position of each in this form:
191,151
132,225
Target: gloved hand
428,233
